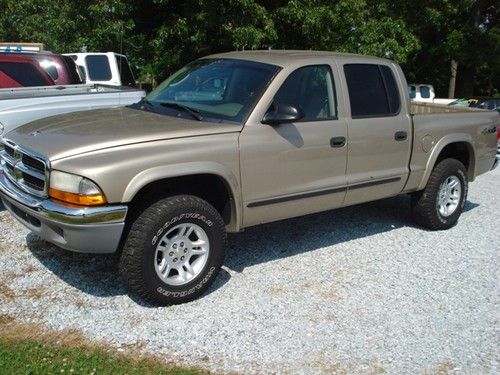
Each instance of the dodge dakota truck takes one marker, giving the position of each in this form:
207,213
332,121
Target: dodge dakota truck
235,140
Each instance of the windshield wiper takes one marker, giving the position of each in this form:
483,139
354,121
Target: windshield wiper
193,112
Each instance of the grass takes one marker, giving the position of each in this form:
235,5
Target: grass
28,356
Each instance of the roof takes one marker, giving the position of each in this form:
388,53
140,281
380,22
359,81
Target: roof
284,57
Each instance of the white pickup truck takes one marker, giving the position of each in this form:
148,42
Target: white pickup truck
19,106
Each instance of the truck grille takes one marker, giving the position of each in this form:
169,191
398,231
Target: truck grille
25,168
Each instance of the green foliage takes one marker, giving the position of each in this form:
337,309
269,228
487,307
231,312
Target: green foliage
161,35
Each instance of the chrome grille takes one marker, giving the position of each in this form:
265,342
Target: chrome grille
25,168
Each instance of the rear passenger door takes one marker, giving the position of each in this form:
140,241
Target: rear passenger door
379,133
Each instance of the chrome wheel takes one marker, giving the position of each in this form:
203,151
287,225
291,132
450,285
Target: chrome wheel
449,194
181,254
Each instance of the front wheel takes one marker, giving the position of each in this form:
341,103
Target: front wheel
174,250
442,201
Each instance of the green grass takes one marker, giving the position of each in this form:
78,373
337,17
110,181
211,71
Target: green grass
31,357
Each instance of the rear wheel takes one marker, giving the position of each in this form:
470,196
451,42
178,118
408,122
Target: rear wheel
442,201
174,250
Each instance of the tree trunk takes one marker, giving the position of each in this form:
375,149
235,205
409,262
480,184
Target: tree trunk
453,78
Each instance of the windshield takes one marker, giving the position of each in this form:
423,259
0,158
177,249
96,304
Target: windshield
216,89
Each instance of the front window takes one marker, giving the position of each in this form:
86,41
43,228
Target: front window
216,89
311,88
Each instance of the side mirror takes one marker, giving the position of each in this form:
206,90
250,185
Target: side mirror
283,113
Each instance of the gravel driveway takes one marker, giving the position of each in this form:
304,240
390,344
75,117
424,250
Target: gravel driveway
358,290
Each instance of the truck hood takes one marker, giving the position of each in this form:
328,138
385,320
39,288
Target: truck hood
76,133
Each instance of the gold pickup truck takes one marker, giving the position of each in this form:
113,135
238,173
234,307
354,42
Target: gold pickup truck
231,141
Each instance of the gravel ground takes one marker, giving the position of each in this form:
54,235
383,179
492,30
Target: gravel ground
358,290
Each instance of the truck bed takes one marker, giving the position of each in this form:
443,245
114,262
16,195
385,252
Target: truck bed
422,108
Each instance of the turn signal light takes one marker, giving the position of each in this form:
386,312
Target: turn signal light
82,200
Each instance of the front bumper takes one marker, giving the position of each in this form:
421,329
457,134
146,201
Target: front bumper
85,230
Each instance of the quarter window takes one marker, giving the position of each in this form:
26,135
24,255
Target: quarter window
425,92
98,67
310,88
373,90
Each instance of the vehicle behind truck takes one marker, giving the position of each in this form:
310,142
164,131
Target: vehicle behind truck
37,69
106,68
231,141
19,106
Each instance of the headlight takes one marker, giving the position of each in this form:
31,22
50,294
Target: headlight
75,189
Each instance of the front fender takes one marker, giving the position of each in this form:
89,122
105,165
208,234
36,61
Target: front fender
151,175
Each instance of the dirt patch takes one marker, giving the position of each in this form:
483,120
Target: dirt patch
34,293
369,367
275,290
6,293
30,269
322,291
443,368
5,319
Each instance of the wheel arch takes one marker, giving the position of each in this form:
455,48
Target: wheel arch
455,146
210,181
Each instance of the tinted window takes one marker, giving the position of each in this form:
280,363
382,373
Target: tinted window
98,67
425,92
24,73
413,92
72,69
391,88
310,88
126,75
50,68
373,90
366,90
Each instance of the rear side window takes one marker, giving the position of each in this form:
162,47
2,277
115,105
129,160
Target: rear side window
98,67
26,74
373,91
126,75
425,92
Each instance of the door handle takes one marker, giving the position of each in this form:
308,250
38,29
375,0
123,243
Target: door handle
337,142
400,136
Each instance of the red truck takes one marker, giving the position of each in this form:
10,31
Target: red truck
37,69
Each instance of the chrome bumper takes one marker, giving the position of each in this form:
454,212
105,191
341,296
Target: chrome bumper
86,230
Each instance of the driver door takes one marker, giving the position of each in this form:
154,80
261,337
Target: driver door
296,168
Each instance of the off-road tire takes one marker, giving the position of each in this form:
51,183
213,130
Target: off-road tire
425,203
137,262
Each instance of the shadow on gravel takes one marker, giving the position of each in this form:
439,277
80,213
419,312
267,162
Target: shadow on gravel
286,238
93,274
469,206
98,274
2,207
